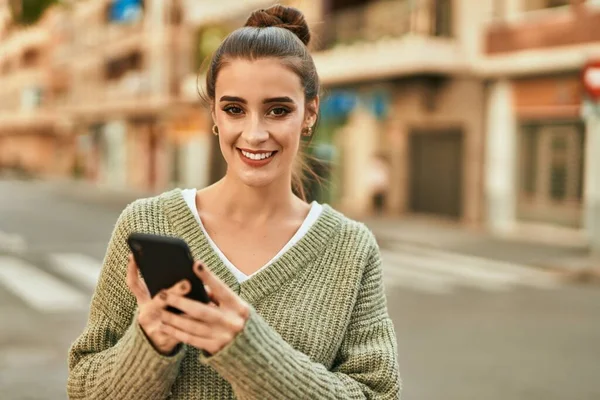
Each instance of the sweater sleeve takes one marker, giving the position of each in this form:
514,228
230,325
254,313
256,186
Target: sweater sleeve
113,359
260,364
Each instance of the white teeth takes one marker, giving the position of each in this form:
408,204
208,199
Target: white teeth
257,156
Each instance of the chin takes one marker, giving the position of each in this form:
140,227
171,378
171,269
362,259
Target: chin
255,179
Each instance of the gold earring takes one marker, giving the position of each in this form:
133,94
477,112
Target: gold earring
215,130
307,131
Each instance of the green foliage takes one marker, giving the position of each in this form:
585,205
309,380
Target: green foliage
27,12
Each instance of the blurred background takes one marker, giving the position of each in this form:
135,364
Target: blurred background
462,132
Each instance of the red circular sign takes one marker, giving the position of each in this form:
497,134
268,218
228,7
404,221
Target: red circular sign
591,79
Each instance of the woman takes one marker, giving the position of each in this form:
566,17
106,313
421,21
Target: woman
298,305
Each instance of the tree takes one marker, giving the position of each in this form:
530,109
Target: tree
27,12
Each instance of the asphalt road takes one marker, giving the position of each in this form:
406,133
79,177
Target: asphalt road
463,332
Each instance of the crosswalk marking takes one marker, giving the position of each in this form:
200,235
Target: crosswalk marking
80,267
519,274
465,274
420,269
37,288
415,279
425,270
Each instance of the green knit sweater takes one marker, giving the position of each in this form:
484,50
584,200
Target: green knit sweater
318,329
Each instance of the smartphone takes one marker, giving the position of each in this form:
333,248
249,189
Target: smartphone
163,261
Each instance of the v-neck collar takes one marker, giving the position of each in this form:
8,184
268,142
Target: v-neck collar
265,281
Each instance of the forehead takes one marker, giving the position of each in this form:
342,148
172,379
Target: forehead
267,77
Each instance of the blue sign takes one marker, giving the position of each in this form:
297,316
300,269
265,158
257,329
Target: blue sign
379,104
126,10
338,104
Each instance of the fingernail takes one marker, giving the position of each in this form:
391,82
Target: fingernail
183,285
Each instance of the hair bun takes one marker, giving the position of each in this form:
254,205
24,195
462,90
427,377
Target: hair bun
279,16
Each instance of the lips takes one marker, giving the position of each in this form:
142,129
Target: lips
256,158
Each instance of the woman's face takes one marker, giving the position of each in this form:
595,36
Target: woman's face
260,111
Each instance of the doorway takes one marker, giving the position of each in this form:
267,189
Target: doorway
436,171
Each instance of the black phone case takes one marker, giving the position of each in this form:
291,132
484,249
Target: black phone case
164,261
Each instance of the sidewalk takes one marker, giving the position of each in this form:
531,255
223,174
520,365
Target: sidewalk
571,257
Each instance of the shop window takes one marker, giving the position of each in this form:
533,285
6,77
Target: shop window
551,163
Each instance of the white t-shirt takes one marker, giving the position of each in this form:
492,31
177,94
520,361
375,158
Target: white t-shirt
315,211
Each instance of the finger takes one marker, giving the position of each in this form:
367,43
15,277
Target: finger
184,337
234,323
220,291
135,284
187,324
195,309
214,301
179,289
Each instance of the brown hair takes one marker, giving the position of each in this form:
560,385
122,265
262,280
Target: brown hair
279,32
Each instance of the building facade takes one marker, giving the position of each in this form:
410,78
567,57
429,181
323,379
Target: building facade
32,136
401,86
538,136
120,64
466,110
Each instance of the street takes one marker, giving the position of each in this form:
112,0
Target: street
467,327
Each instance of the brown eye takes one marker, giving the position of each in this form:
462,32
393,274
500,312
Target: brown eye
279,111
233,110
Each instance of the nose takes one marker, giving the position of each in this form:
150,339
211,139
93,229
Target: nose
255,132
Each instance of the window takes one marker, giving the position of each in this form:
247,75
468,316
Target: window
443,18
117,68
552,162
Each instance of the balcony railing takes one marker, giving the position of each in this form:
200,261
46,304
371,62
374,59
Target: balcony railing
386,19
564,26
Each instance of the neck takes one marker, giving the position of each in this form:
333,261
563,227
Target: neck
245,203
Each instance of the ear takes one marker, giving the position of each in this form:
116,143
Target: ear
312,111
213,114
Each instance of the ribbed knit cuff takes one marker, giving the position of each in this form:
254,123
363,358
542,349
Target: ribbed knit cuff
144,368
254,361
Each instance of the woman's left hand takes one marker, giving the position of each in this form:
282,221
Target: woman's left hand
209,327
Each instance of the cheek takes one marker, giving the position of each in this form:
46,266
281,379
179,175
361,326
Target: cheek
290,132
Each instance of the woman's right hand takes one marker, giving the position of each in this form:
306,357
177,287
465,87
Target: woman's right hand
150,309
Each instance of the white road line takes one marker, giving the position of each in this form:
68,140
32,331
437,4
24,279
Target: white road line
39,289
466,275
79,267
415,278
522,274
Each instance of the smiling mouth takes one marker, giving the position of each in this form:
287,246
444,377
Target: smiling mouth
257,156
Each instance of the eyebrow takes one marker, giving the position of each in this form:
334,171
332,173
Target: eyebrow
283,99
